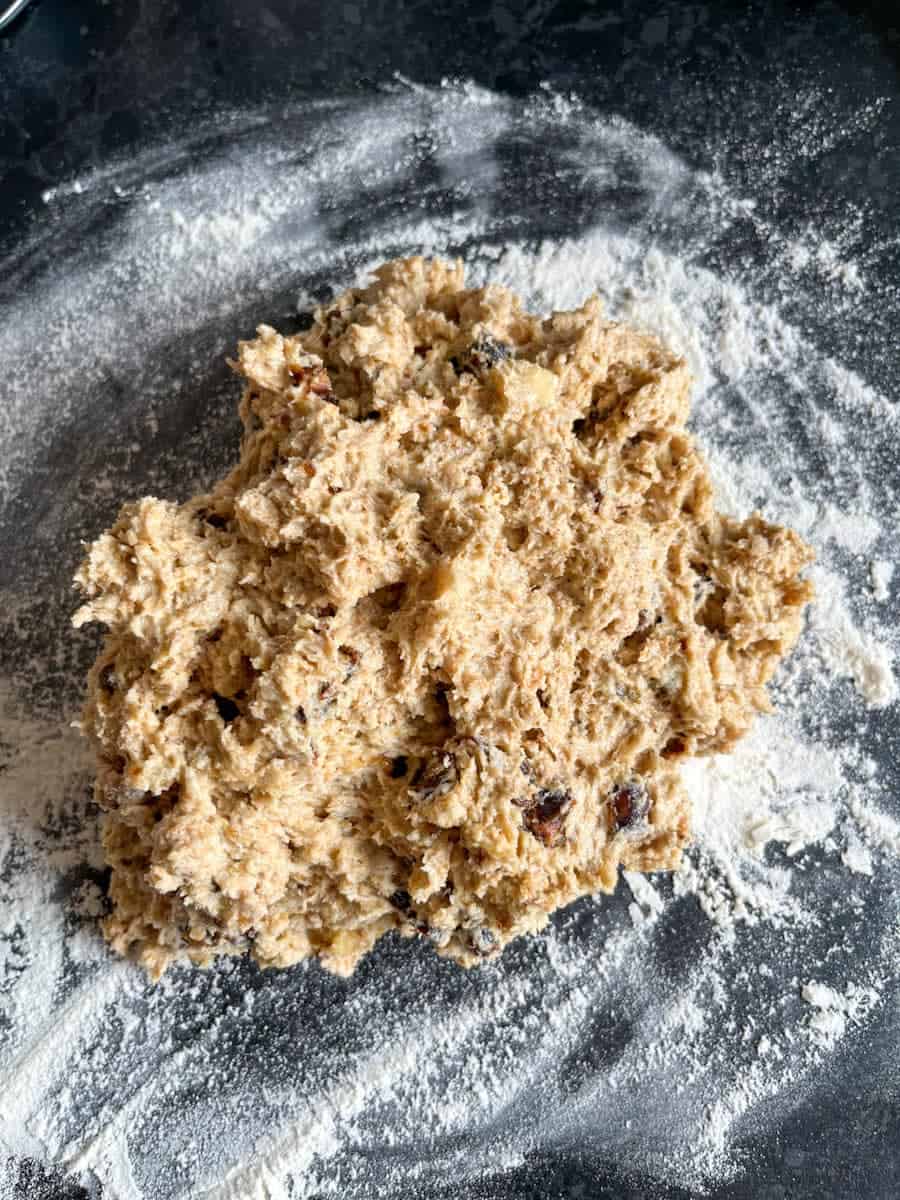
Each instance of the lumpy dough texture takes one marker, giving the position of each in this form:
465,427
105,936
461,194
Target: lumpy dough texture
427,659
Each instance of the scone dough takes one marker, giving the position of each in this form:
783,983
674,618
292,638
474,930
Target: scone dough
428,658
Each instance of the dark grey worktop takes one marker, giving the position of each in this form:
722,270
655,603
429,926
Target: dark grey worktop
83,83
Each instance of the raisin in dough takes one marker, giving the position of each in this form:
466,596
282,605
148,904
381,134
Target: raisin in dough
427,659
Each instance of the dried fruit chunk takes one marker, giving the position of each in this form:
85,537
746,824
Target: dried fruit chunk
435,777
545,814
401,900
628,804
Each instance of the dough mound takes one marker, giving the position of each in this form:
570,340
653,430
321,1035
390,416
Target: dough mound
427,659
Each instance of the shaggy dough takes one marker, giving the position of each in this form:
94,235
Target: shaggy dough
428,658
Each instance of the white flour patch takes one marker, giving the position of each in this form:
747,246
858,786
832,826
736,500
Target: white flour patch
833,1010
881,573
857,856
658,1027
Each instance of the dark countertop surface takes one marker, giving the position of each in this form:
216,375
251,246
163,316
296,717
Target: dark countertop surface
83,83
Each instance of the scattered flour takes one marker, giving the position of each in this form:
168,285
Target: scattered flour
845,648
648,903
833,1009
655,1030
857,856
881,572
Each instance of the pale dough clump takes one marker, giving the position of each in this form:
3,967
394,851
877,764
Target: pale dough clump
428,658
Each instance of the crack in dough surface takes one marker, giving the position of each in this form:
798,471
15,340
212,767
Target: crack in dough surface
429,657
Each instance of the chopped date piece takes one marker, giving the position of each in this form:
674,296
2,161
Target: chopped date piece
552,800
401,900
545,815
318,384
435,777
673,747
321,385
316,378
228,710
629,804
300,714
399,767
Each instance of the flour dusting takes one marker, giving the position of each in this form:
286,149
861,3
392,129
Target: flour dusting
658,1028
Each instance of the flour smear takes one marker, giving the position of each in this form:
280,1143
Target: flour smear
662,1029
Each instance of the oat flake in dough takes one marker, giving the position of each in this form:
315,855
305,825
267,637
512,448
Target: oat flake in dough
427,659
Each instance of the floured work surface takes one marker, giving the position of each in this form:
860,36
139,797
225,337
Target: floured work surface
759,978
428,658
